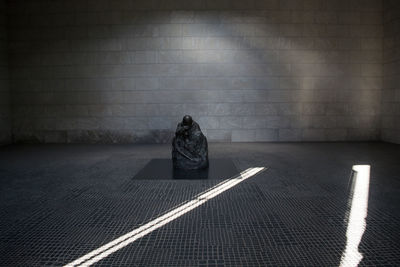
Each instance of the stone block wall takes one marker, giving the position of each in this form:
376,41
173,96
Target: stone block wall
5,124
391,66
257,70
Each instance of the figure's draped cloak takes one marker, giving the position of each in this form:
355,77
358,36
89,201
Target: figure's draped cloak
189,151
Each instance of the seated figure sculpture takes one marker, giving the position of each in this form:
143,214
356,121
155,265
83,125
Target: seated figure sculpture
189,146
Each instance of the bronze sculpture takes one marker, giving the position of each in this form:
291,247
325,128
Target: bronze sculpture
189,146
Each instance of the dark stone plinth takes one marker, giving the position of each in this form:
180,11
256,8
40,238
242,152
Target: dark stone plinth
162,169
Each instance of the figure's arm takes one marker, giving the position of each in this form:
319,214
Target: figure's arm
183,154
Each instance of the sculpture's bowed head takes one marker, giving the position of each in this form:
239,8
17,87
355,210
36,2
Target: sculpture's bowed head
187,121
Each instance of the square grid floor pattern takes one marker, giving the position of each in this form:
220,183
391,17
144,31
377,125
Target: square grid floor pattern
59,202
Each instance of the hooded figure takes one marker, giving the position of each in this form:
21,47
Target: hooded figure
189,146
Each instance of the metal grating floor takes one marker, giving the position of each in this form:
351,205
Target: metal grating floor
57,203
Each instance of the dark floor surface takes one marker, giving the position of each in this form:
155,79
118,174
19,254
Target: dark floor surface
162,169
59,202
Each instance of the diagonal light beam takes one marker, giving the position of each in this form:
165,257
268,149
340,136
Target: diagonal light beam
121,242
358,213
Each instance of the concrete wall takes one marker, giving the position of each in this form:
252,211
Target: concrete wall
391,89
5,125
127,71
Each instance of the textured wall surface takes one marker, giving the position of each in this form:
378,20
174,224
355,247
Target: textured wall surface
5,125
391,88
127,71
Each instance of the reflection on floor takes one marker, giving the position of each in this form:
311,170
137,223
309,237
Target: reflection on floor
58,202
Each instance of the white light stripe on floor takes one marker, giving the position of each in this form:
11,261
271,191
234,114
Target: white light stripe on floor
111,247
351,257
